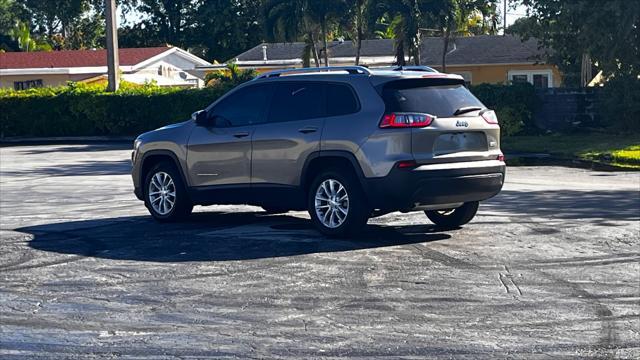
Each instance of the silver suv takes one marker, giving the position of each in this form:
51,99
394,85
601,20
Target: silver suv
344,143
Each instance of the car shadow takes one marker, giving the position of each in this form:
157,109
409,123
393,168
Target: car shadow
77,148
569,204
212,236
84,168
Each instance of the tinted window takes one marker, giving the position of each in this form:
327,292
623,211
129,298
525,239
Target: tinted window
297,101
244,107
442,100
341,100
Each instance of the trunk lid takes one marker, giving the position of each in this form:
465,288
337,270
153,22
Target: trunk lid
449,138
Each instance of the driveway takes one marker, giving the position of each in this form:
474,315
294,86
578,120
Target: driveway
551,266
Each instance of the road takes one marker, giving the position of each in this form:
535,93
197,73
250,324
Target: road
550,267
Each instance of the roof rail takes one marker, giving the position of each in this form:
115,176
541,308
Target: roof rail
349,69
407,68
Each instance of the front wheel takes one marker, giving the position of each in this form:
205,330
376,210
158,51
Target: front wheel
336,204
450,218
165,195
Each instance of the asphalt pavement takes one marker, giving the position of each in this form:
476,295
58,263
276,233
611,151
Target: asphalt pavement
549,267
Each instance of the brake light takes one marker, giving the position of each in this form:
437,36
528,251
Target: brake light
500,157
489,116
407,164
405,120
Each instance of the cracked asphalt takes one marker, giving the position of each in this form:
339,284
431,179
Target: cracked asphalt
550,267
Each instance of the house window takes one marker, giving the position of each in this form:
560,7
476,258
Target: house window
27,84
540,79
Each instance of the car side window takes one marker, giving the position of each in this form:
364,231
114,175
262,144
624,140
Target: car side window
245,107
297,101
341,100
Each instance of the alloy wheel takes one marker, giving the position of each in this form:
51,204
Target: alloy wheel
162,193
332,203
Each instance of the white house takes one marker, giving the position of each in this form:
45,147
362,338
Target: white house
165,66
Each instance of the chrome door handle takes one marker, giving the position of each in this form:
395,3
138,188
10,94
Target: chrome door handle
307,130
241,134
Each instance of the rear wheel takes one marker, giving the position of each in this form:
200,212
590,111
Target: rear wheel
336,204
454,217
165,195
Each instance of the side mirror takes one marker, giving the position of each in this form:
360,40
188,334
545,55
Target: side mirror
200,117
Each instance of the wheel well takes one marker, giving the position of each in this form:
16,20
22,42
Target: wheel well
152,160
322,163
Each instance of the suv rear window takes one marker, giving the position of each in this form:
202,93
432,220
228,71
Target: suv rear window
439,100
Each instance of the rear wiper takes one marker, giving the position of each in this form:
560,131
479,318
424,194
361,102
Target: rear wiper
466,109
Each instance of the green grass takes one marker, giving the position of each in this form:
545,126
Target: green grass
620,150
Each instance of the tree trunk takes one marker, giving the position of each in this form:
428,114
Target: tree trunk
400,53
359,40
314,49
416,50
324,41
446,47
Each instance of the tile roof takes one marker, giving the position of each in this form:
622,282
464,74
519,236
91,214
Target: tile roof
483,49
75,58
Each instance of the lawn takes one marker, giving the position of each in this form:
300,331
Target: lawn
621,150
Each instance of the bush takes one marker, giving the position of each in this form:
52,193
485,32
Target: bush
620,106
514,105
81,110
87,110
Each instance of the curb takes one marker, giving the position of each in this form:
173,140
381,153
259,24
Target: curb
63,140
541,159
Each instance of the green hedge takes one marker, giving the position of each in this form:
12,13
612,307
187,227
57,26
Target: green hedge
620,108
81,110
89,111
514,105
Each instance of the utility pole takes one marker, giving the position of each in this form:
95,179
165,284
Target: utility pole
504,14
113,63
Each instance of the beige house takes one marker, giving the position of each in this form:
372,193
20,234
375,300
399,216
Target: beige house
165,66
479,59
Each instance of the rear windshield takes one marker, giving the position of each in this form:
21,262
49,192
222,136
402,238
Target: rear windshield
441,100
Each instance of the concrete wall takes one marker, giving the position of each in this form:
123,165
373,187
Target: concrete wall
564,109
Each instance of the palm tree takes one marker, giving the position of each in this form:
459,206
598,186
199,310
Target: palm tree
361,18
22,34
406,16
289,20
462,17
323,13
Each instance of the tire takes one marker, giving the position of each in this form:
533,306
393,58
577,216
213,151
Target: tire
454,217
357,209
274,210
166,179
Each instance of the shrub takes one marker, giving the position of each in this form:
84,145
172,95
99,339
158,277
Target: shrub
510,120
514,105
87,110
620,106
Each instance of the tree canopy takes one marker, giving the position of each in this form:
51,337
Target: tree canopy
219,29
607,31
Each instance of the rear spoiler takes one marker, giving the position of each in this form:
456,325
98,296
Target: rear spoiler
435,79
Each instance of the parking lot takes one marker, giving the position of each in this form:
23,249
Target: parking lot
551,266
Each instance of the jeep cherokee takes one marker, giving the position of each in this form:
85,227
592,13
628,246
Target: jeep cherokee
343,143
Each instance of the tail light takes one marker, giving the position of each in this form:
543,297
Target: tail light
406,164
406,120
489,116
500,157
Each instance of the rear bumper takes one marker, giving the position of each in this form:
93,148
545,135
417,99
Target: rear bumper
435,184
